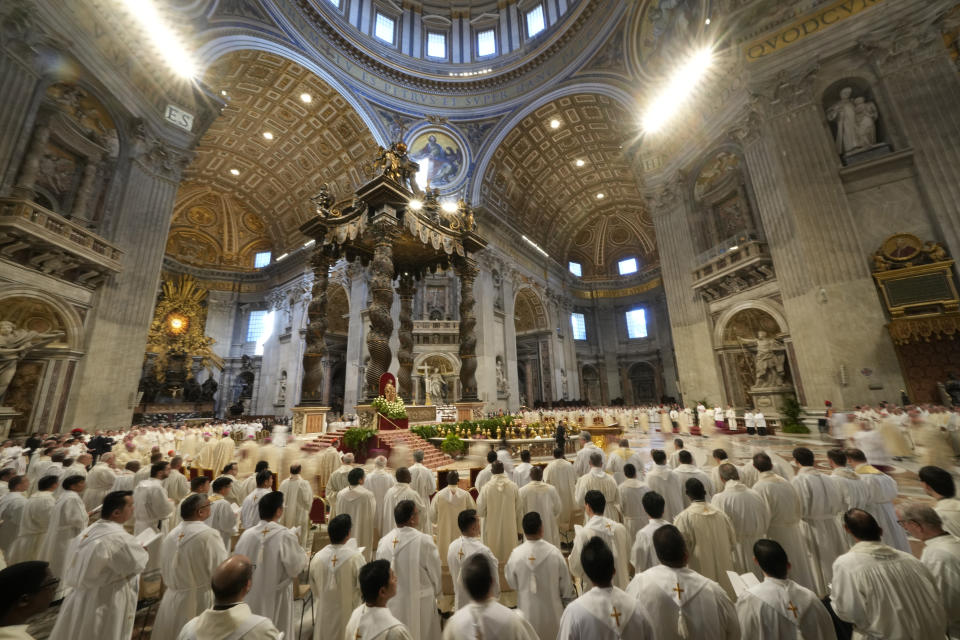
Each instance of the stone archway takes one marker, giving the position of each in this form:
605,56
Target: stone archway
532,327
735,338
591,388
448,366
643,383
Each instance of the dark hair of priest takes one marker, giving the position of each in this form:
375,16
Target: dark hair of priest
695,490
466,518
496,467
595,500
295,469
113,502
856,455
762,462
720,454
685,457
6,474
198,482
678,443
132,465
862,526
264,478
190,505
629,470
670,546
261,465
269,505
654,504
659,457
47,482
404,511
158,467
939,480
339,528
373,577
453,478
838,457
403,475
491,456
532,523
226,467
13,482
597,562
803,456
477,577
221,482
72,480
772,558
525,455
558,453
355,476
536,474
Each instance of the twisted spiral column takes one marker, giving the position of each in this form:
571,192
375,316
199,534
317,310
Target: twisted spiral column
467,272
405,334
313,370
381,300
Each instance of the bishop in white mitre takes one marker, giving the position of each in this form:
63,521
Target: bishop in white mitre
821,504
499,504
413,556
632,490
334,580
462,549
68,519
277,558
748,512
779,607
561,476
538,573
189,555
373,620
542,498
681,603
482,616
297,501
361,505
605,612
446,506
612,533
597,479
102,577
379,481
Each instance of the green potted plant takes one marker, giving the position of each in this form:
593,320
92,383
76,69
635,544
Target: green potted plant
791,411
357,440
453,445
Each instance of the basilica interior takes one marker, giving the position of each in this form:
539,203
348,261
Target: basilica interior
663,196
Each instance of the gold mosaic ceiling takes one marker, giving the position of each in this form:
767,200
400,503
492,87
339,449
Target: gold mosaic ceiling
316,142
534,183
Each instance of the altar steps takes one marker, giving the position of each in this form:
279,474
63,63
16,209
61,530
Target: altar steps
433,458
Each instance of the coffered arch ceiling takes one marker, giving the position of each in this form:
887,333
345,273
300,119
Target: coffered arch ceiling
323,141
533,183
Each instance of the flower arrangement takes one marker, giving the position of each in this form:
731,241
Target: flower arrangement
394,410
357,438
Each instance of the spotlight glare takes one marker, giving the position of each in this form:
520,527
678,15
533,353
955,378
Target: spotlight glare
306,97
416,205
268,135
708,21
449,206
580,163
554,124
162,36
235,172
600,196
678,89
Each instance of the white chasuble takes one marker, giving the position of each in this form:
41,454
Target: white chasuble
538,573
361,505
488,620
68,519
597,479
444,509
561,475
34,523
605,614
710,542
375,623
457,554
821,503
750,516
642,554
614,535
413,557
499,505
543,498
783,610
334,573
297,501
786,527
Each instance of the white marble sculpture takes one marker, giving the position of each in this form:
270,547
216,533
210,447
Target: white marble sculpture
14,346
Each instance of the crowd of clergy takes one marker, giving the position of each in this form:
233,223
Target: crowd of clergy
630,543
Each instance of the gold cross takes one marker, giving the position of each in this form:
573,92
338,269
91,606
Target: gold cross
181,537
358,636
679,591
85,536
608,527
396,541
460,554
793,609
265,532
334,561
531,559
616,614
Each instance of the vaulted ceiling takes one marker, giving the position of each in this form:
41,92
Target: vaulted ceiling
535,184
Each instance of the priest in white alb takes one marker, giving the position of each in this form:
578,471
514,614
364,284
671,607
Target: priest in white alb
277,558
189,555
680,603
398,493
379,481
68,519
543,498
297,501
632,490
250,507
596,479
939,485
561,476
461,549
538,573
499,504
778,607
223,518
100,480
482,616
413,556
424,482
621,456
664,481
709,537
612,533
642,554
446,506
334,575
373,620
11,511
748,513
361,505
34,522
102,577
582,463
884,493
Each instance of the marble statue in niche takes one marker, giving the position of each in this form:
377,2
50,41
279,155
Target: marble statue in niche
497,290
855,120
501,378
769,370
282,389
15,344
436,387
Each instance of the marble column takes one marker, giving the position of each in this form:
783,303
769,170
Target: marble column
381,303
405,291
625,386
81,205
528,375
19,75
467,272
311,391
327,382
31,162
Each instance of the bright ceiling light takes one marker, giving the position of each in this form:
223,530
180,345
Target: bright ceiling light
580,163
416,205
268,135
554,124
223,92
310,242
535,246
167,41
306,97
707,21
235,172
679,88
600,196
449,206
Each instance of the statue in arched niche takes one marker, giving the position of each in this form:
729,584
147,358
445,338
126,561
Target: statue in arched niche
15,344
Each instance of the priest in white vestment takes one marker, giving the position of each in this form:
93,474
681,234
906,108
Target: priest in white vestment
686,469
338,479
778,607
632,490
277,559
561,475
709,537
604,612
785,527
598,480
250,508
499,505
613,534
664,481
398,493
249,484
223,452
102,577
822,506
34,522
941,555
642,554
100,480
151,506
189,555
521,474
884,493
68,519
297,501
361,505
883,592
176,484
424,482
481,616
748,513
334,575
538,573
379,481
543,498
446,506
582,463
680,603
483,477
223,518
621,456
231,618
461,549
373,620
413,556
11,511
674,459
938,484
